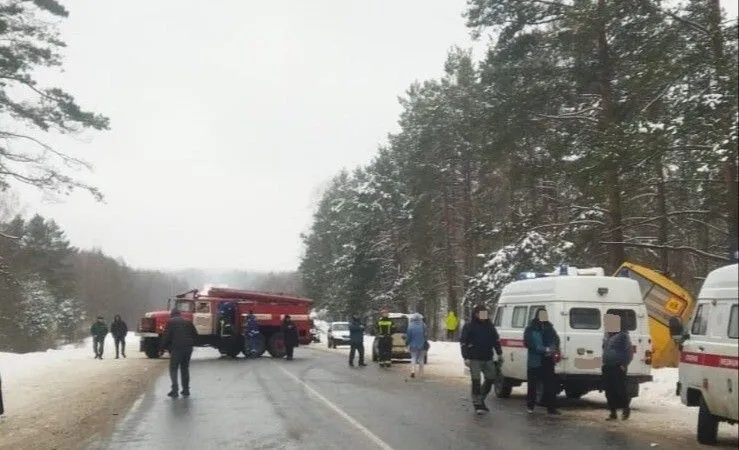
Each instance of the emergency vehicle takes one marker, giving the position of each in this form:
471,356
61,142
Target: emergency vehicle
219,317
576,301
709,354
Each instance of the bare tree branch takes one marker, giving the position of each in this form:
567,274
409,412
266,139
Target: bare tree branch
678,248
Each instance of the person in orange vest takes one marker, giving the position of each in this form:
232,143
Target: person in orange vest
451,325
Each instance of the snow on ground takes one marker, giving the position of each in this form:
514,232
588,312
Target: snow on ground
14,367
60,398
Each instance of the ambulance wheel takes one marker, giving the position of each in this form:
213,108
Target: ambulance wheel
707,425
574,393
276,345
502,387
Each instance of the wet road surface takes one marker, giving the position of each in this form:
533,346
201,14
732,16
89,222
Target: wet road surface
317,402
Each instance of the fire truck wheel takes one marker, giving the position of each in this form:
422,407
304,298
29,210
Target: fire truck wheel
276,345
151,348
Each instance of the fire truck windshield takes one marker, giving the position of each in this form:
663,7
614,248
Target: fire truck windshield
184,306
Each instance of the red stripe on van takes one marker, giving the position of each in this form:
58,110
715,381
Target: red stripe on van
710,360
517,343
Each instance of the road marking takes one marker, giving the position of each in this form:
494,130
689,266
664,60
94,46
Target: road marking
382,444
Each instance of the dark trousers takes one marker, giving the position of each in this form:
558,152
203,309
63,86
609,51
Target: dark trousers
180,359
450,335
120,344
289,351
544,375
359,347
385,347
614,383
2,408
98,343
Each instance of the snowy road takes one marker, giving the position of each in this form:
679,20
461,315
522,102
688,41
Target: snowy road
316,401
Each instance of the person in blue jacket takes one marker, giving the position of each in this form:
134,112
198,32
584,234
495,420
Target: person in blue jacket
542,343
251,335
415,338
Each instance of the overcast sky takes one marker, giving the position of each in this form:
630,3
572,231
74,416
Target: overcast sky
228,116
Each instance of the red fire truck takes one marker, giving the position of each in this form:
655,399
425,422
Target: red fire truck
219,316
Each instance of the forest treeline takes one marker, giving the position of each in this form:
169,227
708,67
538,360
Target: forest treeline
590,133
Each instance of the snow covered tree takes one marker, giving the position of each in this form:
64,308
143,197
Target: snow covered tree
31,42
532,253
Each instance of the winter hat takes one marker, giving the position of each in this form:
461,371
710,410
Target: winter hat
416,317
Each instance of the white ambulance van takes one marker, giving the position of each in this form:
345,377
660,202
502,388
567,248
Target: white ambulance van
575,303
709,354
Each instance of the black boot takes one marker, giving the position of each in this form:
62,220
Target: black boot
626,413
612,416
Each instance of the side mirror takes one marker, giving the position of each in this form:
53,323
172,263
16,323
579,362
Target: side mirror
676,330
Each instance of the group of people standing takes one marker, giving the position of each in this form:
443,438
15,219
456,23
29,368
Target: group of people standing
479,338
99,330
416,338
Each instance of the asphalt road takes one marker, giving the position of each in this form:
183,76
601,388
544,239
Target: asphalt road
317,402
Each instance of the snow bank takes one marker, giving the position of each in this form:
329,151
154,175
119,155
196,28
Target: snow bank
17,366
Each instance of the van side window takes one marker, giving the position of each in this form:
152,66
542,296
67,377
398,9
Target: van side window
628,318
533,309
498,316
584,318
700,323
733,330
519,317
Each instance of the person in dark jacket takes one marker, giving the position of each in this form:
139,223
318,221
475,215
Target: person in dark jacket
542,343
290,335
98,330
617,355
356,341
179,339
2,408
478,340
119,330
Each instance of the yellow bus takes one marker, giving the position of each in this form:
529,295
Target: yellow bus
664,299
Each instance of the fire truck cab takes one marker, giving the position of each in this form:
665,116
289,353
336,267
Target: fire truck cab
219,316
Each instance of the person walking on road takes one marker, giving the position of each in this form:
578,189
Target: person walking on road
251,335
179,339
542,343
119,330
478,340
451,325
290,336
98,330
385,338
617,355
356,341
416,340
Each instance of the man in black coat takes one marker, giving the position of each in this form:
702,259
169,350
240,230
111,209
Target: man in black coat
179,339
119,330
479,338
290,336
